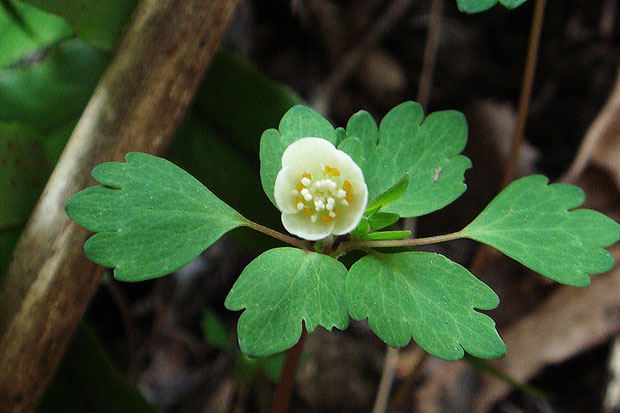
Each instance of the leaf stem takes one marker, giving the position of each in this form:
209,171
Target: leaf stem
282,396
362,244
295,242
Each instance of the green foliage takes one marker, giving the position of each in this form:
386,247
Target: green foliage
380,220
233,107
26,30
240,103
214,331
385,235
428,297
476,6
532,222
389,196
151,217
25,168
246,369
46,94
299,122
24,172
40,100
280,289
426,148
88,381
100,23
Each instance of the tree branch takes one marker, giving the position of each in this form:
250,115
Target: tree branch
137,106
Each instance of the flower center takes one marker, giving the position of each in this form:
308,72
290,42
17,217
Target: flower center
323,194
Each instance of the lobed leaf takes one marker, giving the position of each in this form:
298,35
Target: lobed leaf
534,223
428,297
298,122
151,217
476,6
426,148
280,289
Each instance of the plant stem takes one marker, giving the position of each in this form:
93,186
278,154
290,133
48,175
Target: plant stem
360,244
304,245
387,378
524,104
282,396
526,91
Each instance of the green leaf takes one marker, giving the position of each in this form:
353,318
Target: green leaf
362,229
385,235
214,331
388,196
151,217
280,289
476,6
88,381
26,30
426,296
532,222
299,122
428,149
233,107
49,92
380,220
100,23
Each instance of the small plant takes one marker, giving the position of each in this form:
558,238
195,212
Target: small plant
151,218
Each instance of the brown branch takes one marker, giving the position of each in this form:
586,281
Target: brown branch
526,91
284,389
527,84
137,106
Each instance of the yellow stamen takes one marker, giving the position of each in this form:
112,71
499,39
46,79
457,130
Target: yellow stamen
298,200
332,171
349,197
336,211
347,186
307,175
325,218
299,186
307,211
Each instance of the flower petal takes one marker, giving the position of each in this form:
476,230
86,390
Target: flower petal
285,182
348,167
348,220
299,224
308,154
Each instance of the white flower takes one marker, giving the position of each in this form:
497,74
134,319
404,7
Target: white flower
320,190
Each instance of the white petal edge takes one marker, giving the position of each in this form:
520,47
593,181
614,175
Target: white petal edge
299,224
308,154
285,183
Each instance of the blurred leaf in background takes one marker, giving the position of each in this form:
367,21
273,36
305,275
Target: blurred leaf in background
88,381
25,29
221,134
99,23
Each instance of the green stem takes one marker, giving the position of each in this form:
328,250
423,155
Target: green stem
295,242
362,244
